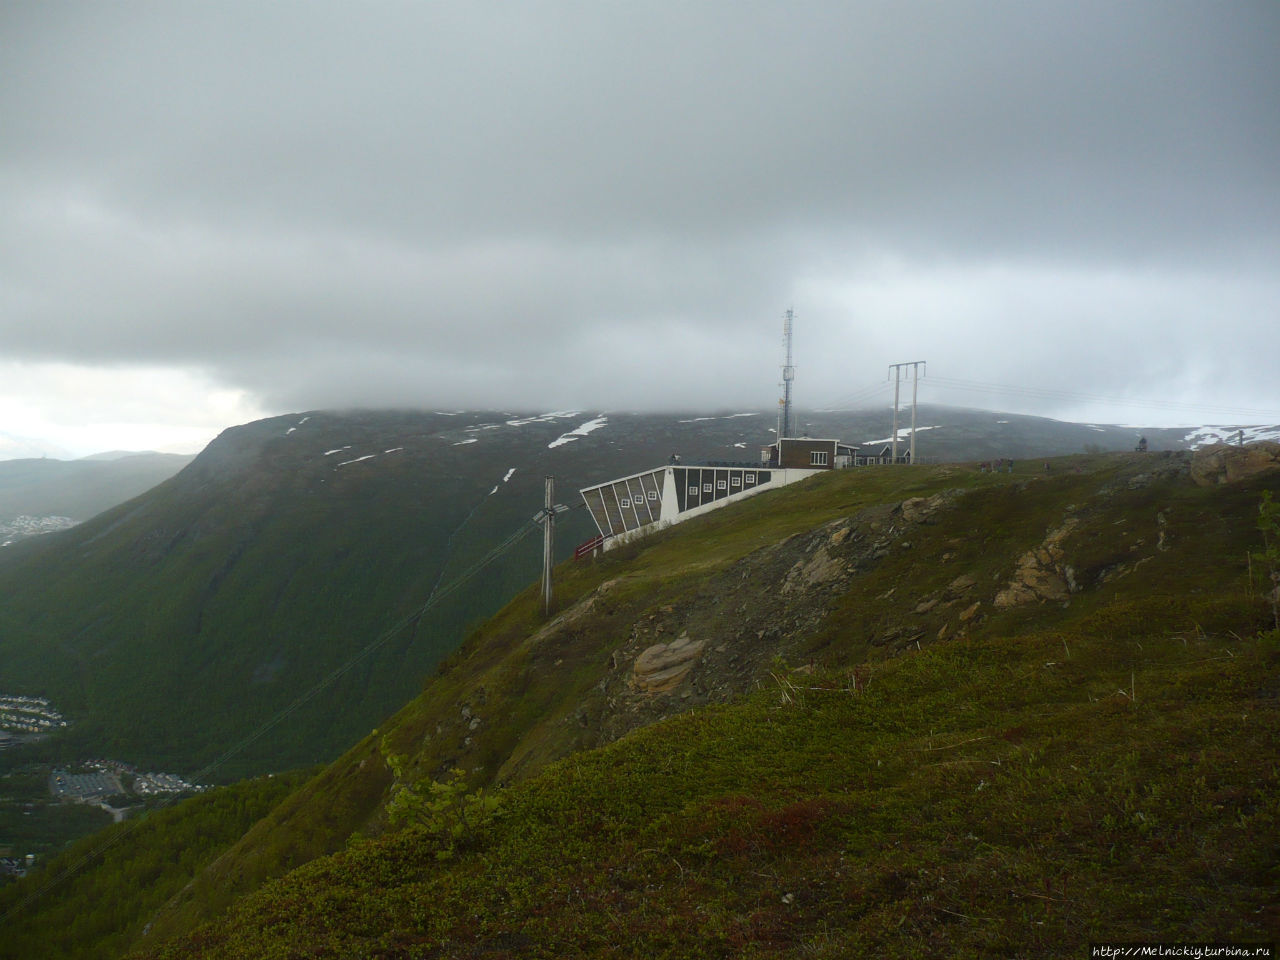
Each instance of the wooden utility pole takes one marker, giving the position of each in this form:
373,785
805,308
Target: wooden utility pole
547,517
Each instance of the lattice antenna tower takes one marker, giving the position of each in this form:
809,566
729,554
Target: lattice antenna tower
787,426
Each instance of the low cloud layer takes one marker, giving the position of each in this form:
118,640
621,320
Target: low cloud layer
608,206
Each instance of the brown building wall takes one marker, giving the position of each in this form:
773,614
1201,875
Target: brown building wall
798,452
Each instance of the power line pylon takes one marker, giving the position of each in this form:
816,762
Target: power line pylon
896,369
547,517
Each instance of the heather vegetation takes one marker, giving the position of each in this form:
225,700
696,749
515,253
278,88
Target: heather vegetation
935,712
978,798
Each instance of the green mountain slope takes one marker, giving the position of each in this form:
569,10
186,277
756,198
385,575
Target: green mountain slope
172,627
820,822
1030,711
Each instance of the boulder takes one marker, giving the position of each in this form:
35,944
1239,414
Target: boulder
1227,463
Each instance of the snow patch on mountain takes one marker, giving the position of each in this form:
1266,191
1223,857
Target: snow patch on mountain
506,478
904,434
545,417
367,456
329,453
1209,435
580,431
730,416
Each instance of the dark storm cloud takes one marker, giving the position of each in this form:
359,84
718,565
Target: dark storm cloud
590,204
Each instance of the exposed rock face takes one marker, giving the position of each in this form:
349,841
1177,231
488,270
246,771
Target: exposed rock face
1224,463
661,667
820,568
746,616
775,601
918,509
1041,574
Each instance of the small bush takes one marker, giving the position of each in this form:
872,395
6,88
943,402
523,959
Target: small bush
442,809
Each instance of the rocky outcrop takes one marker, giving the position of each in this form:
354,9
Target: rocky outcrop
661,667
920,509
1224,463
1041,574
821,567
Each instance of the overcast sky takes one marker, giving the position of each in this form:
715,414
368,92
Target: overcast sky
218,211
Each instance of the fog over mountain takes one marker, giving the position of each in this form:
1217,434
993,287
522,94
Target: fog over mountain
223,211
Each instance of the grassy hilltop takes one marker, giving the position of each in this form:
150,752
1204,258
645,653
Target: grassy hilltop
908,711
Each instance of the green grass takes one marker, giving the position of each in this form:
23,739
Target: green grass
1043,776
966,801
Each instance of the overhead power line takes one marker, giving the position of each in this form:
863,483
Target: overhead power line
884,389
858,396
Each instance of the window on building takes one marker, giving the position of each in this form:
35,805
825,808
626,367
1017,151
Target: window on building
722,485
817,458
735,481
693,489
625,502
653,494
750,478
706,488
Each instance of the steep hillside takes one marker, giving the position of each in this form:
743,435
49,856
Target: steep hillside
922,710
173,626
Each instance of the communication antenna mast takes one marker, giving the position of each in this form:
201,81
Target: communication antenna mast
787,426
